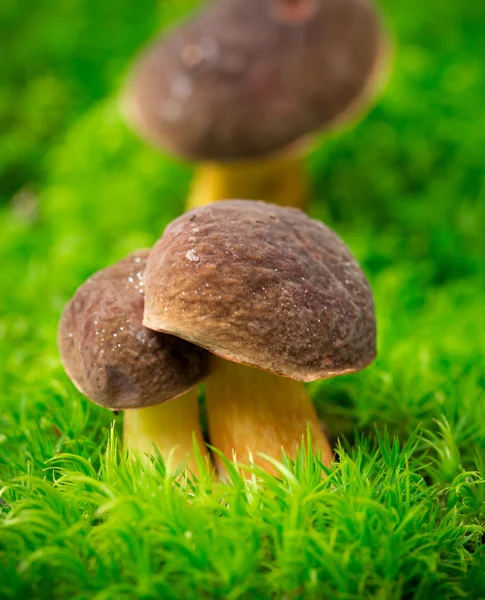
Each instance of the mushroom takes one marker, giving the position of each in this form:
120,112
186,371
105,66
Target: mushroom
278,299
115,361
242,86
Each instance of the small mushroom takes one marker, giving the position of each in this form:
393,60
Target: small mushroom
119,364
242,85
278,299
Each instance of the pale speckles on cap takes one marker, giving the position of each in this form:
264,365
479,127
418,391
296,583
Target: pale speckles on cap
192,238
181,87
209,47
204,49
170,111
192,256
141,336
192,55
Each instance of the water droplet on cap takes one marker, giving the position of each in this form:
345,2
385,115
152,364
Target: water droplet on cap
181,87
192,256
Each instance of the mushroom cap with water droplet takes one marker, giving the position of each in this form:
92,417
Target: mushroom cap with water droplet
237,83
262,285
110,356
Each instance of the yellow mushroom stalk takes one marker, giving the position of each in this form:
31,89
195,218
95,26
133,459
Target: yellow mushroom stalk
254,412
169,427
282,180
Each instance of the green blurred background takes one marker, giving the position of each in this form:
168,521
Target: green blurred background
405,188
60,58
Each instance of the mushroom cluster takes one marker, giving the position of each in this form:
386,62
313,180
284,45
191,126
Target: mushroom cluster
251,298
242,85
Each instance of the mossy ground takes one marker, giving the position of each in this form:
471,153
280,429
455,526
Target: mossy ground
402,513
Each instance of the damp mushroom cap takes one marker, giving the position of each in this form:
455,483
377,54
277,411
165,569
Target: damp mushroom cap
248,78
110,356
265,286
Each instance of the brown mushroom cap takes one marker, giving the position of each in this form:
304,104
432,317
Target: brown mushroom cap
110,356
238,83
263,285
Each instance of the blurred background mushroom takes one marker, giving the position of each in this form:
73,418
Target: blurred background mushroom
278,299
119,364
241,87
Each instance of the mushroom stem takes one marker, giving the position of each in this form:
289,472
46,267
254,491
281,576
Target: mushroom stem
251,411
281,180
169,427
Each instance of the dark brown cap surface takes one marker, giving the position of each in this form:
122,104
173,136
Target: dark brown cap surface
262,285
110,356
238,83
